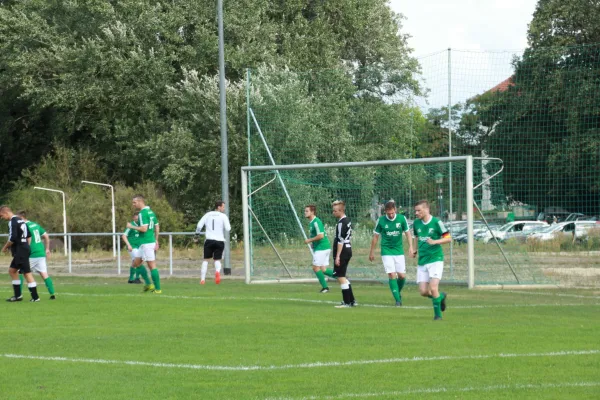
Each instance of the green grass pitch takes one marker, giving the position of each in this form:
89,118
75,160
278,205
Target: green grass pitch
105,339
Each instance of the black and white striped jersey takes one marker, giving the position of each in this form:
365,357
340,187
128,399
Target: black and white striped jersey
18,233
343,234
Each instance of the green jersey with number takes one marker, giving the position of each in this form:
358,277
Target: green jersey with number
391,232
147,217
316,228
37,245
133,236
433,229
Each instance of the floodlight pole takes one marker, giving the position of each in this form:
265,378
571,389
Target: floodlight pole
112,195
64,212
223,118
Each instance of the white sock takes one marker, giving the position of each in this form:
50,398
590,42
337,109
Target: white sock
16,282
218,266
204,268
32,284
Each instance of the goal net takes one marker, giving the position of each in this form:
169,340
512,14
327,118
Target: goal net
275,197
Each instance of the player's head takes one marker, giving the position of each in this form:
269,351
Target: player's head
339,208
390,209
136,216
220,205
6,213
310,211
138,202
22,214
422,209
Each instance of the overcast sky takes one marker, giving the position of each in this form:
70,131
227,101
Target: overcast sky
484,34
465,24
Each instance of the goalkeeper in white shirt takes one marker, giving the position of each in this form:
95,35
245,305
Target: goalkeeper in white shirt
216,223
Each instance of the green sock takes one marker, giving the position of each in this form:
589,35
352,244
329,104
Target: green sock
137,274
328,272
21,279
155,278
131,273
394,289
144,273
437,306
401,282
321,278
49,285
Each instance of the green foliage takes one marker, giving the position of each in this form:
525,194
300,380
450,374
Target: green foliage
134,82
88,206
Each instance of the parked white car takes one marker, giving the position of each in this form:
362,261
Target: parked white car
570,229
510,230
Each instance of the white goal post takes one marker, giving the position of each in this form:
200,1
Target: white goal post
275,169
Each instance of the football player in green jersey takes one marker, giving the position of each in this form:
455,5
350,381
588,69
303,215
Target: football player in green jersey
148,225
132,238
431,234
40,250
391,227
320,246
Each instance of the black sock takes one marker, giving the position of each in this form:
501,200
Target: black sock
34,294
17,290
351,294
346,296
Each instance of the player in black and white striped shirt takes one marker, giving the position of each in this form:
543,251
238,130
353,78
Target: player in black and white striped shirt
216,222
19,238
342,250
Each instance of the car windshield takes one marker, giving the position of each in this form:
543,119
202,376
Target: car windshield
506,227
551,228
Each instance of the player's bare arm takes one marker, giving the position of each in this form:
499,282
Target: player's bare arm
373,244
315,239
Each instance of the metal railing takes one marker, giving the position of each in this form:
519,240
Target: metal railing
118,241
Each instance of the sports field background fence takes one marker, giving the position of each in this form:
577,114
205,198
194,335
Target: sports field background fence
537,111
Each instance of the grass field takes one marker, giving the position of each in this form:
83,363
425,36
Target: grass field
104,339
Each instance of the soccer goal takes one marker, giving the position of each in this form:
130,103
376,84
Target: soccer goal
274,198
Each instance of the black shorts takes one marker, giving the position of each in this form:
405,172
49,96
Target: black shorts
213,249
21,263
340,272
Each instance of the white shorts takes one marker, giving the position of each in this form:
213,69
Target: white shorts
38,264
135,253
393,264
321,258
430,271
146,252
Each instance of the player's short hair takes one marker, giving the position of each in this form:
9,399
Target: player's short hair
390,205
219,203
135,214
5,208
22,213
423,203
312,208
340,203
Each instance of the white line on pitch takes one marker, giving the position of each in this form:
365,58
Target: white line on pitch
317,364
578,296
291,299
449,390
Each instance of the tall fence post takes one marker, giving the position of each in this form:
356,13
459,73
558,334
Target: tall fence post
170,254
118,255
69,253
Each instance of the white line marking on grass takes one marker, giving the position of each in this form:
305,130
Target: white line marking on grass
317,364
578,296
297,300
449,390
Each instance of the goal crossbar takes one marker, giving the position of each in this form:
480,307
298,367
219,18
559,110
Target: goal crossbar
468,160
